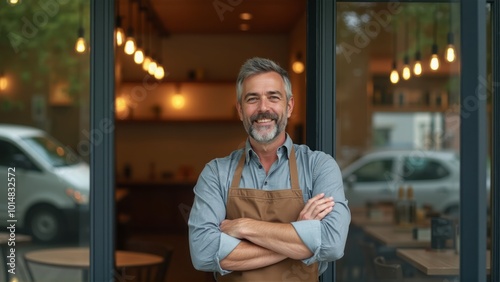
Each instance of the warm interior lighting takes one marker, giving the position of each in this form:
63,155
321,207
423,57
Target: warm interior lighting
450,53
394,73
246,16
178,101
3,82
129,45
80,42
406,72
159,72
146,62
121,107
298,66
152,67
138,56
13,2
417,68
434,58
394,76
119,36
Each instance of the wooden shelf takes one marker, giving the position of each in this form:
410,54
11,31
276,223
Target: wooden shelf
403,109
178,121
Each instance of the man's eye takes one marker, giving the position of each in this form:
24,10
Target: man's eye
253,99
274,98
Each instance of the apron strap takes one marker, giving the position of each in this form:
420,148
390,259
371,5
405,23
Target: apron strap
292,162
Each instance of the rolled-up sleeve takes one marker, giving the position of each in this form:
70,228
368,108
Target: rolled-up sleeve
335,226
207,244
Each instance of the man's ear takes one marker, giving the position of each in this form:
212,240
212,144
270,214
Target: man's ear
290,105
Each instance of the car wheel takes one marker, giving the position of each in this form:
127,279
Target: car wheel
45,224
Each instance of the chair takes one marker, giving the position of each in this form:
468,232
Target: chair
155,273
387,272
369,254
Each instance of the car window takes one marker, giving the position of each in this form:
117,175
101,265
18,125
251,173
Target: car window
378,170
11,155
423,169
52,151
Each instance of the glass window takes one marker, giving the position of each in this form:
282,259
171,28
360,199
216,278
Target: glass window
377,170
423,169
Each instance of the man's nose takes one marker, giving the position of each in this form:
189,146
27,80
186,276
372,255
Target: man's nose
263,105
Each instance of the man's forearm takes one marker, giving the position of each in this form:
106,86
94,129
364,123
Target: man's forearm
248,256
278,237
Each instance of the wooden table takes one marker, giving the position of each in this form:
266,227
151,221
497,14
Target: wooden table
442,263
5,238
396,237
79,258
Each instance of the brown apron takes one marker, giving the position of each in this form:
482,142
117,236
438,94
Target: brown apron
272,206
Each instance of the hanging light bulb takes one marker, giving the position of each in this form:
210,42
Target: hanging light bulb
434,64
80,45
417,68
298,65
146,62
406,69
13,2
130,41
80,42
152,67
434,58
138,56
450,50
3,81
159,72
119,33
394,74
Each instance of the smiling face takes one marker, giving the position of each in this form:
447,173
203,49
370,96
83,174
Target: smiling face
264,108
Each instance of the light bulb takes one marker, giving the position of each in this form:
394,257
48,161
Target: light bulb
146,62
417,68
119,36
130,46
152,68
3,82
80,45
450,53
298,67
138,56
159,72
434,62
13,2
406,72
394,76
178,101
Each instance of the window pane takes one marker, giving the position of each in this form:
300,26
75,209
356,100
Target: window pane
398,87
44,136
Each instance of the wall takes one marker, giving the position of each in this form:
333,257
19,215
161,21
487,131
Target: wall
172,145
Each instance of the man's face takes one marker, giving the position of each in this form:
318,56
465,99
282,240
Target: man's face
263,108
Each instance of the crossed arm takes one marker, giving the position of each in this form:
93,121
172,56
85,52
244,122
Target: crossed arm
265,243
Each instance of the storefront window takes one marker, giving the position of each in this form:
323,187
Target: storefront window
44,133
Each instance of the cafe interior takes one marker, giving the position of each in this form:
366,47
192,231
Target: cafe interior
397,84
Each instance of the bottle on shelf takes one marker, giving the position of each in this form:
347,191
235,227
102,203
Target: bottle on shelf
400,213
412,206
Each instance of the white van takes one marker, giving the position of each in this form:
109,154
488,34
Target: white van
44,185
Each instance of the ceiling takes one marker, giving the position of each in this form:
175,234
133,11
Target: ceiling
218,16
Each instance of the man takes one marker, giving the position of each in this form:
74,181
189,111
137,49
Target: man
267,212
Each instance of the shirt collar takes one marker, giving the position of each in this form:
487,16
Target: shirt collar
287,146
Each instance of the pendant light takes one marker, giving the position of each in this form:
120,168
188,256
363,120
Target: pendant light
139,54
3,81
147,49
434,64
130,42
417,67
119,33
152,65
450,50
406,60
80,45
394,73
160,71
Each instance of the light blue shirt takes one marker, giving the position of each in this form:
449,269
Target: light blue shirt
318,173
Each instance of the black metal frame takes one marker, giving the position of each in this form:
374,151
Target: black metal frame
102,200
320,120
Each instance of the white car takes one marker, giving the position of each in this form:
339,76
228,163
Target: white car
45,187
434,176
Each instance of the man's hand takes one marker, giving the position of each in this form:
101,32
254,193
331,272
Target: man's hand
234,227
316,208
